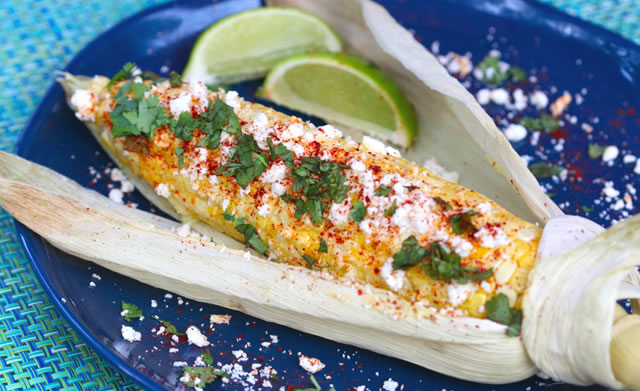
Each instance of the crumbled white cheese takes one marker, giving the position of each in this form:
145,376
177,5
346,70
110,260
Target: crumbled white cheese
357,165
195,337
610,153
180,104
461,246
609,191
231,98
180,364
240,355
163,190
294,130
213,179
219,319
126,186
129,334
636,169
330,131
278,189
486,286
492,237
627,159
394,278
264,209
311,364
515,132
485,208
539,99
154,304
392,151
458,293
339,213
117,175
200,93
500,96
373,145
116,195
84,102
434,166
275,173
225,204
390,384
483,96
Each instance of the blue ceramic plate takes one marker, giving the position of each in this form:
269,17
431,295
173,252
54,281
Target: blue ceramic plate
562,52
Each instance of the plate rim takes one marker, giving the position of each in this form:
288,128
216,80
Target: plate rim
611,37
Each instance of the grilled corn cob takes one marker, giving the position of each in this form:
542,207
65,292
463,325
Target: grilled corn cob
306,196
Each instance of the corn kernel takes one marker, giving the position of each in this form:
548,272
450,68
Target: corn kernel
504,272
519,280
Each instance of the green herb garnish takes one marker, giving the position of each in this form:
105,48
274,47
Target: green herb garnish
219,117
130,311
596,151
122,74
587,209
544,170
498,310
138,116
442,203
493,74
174,79
246,163
383,190
461,222
315,384
545,122
410,254
251,237
446,266
168,326
358,211
280,151
179,152
202,376
185,125
320,182
310,261
392,209
323,246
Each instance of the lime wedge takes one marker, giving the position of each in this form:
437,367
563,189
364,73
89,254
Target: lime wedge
246,45
344,91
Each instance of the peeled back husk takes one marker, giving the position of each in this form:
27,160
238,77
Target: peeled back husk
145,247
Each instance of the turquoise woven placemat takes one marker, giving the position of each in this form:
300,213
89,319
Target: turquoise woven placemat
38,349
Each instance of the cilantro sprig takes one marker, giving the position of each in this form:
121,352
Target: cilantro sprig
391,210
316,386
596,151
168,326
130,311
498,310
411,254
137,116
358,211
323,246
249,232
383,190
123,73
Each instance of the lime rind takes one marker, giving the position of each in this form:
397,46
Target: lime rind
242,58
406,126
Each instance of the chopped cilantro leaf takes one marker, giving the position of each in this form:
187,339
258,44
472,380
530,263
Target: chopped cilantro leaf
587,209
251,237
545,122
246,161
316,386
493,73
320,182
310,261
136,116
543,170
358,211
280,151
383,191
323,246
174,79
498,310
442,203
179,152
185,125
392,209
168,326
122,74
207,358
410,254
596,151
221,116
447,266
461,222
130,311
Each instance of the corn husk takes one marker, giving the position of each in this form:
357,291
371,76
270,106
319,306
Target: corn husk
145,247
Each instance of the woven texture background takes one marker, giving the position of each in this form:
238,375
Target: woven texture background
38,349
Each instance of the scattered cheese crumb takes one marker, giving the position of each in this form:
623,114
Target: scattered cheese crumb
163,190
610,153
84,101
390,385
116,195
539,99
195,337
219,319
129,334
515,132
483,96
310,364
393,278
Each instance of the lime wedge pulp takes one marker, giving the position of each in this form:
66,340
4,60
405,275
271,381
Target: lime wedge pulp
246,45
344,91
